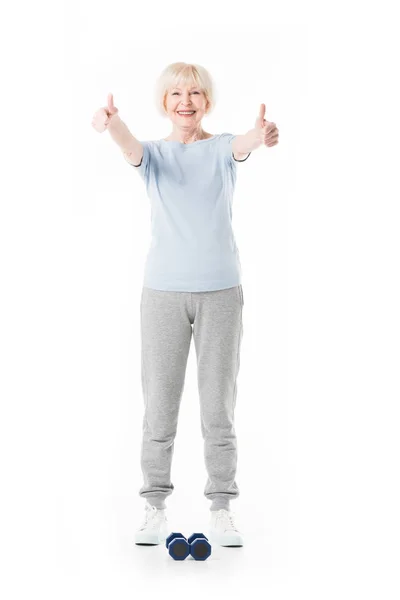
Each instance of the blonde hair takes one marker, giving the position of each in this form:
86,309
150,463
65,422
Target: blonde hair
188,74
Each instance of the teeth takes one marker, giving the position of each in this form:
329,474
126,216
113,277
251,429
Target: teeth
186,112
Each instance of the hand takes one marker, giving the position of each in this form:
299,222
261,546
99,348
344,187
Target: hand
265,132
103,116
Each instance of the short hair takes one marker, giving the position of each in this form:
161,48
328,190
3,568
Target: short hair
187,74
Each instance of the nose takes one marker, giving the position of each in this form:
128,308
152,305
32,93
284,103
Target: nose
187,102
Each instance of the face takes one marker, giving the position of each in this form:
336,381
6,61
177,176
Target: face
186,98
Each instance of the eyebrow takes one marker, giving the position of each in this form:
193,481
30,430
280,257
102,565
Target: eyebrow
195,87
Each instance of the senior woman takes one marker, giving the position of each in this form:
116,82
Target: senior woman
192,286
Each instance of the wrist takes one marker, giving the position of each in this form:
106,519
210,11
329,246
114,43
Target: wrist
251,141
114,122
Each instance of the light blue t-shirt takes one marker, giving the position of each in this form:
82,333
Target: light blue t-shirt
191,188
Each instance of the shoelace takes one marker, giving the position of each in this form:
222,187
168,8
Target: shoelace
151,512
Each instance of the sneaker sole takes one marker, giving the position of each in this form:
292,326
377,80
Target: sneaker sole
232,541
148,539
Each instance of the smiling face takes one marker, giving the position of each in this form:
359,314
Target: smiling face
186,98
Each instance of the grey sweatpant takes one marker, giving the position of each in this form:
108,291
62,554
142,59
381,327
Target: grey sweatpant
166,331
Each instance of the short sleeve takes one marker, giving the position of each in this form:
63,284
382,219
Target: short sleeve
226,140
144,167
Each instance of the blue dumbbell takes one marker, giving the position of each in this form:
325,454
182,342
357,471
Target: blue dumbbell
178,546
199,546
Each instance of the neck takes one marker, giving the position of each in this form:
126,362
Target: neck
186,136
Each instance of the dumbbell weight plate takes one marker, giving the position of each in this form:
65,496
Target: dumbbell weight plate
200,548
178,547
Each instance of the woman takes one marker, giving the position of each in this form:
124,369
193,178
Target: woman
192,279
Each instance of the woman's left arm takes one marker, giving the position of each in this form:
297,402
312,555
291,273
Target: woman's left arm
264,133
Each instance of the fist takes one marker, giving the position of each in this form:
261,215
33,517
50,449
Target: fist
268,133
103,116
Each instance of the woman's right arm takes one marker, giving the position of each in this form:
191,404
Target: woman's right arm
130,146
108,118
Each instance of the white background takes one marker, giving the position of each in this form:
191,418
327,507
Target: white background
316,220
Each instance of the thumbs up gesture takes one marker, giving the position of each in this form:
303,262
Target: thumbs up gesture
103,116
265,132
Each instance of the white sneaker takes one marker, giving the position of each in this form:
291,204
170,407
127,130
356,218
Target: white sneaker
223,530
154,529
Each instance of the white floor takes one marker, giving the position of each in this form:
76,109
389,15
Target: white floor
104,557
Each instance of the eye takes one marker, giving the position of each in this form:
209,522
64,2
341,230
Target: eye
178,92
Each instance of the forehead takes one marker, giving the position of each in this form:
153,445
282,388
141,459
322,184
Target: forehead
190,88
